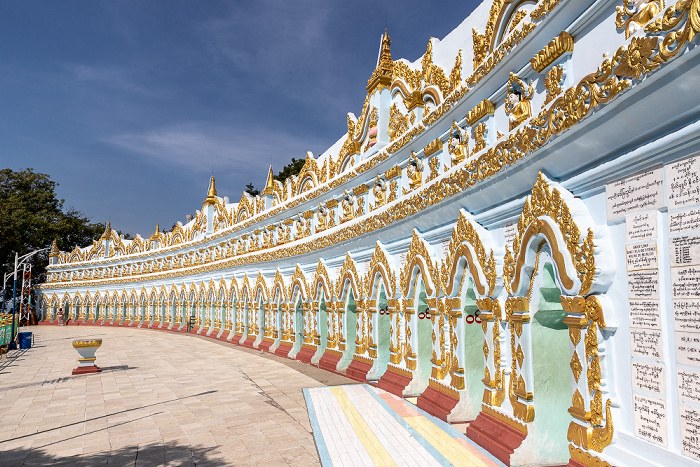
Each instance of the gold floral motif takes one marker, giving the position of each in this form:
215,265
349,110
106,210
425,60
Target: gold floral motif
380,265
635,59
576,367
542,8
398,123
633,19
552,83
557,47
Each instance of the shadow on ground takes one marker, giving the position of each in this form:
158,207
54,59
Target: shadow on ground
170,454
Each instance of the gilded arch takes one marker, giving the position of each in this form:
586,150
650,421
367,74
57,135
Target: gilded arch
322,281
467,252
261,289
278,288
380,271
348,275
418,259
551,217
298,282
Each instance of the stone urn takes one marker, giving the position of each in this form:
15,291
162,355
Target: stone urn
86,362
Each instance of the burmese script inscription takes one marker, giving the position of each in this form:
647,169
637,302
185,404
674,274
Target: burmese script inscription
643,284
684,221
689,385
648,377
686,315
650,419
683,183
641,226
641,192
646,342
690,431
645,314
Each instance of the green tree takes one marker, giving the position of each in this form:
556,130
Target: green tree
290,169
251,190
32,216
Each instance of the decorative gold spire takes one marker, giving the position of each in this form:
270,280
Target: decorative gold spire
270,185
107,233
211,196
382,75
157,235
54,250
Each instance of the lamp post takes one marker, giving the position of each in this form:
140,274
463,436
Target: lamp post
4,288
18,262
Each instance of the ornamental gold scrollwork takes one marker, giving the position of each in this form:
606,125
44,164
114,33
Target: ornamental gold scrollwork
634,14
465,232
546,202
418,255
398,122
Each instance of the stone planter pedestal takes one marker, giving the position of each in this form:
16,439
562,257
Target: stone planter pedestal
86,362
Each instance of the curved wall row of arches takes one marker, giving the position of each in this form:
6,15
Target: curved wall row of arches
507,232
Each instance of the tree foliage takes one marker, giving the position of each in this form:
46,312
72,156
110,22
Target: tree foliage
32,216
251,190
293,168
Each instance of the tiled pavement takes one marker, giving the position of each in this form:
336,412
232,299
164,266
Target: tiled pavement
364,425
174,399
162,398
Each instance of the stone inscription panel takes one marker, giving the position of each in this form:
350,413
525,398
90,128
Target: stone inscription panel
509,231
690,431
689,385
645,314
684,221
643,284
641,256
641,192
648,377
685,282
686,315
688,348
646,342
685,251
650,419
683,183
642,226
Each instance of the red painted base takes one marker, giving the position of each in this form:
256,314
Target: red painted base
82,370
249,342
283,350
436,403
573,463
393,382
358,370
495,436
265,345
305,355
329,362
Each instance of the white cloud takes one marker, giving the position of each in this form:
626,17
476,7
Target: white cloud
199,147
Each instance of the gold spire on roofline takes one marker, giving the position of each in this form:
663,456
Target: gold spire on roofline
54,250
107,233
383,74
157,235
211,196
270,185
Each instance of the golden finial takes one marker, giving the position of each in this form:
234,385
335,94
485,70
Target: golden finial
54,249
270,185
211,196
156,235
107,233
383,74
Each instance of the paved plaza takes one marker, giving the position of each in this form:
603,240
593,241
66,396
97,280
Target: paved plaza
175,399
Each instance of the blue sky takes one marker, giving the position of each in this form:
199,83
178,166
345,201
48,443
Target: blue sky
129,105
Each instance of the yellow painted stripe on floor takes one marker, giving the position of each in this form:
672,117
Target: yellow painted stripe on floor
374,447
453,451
